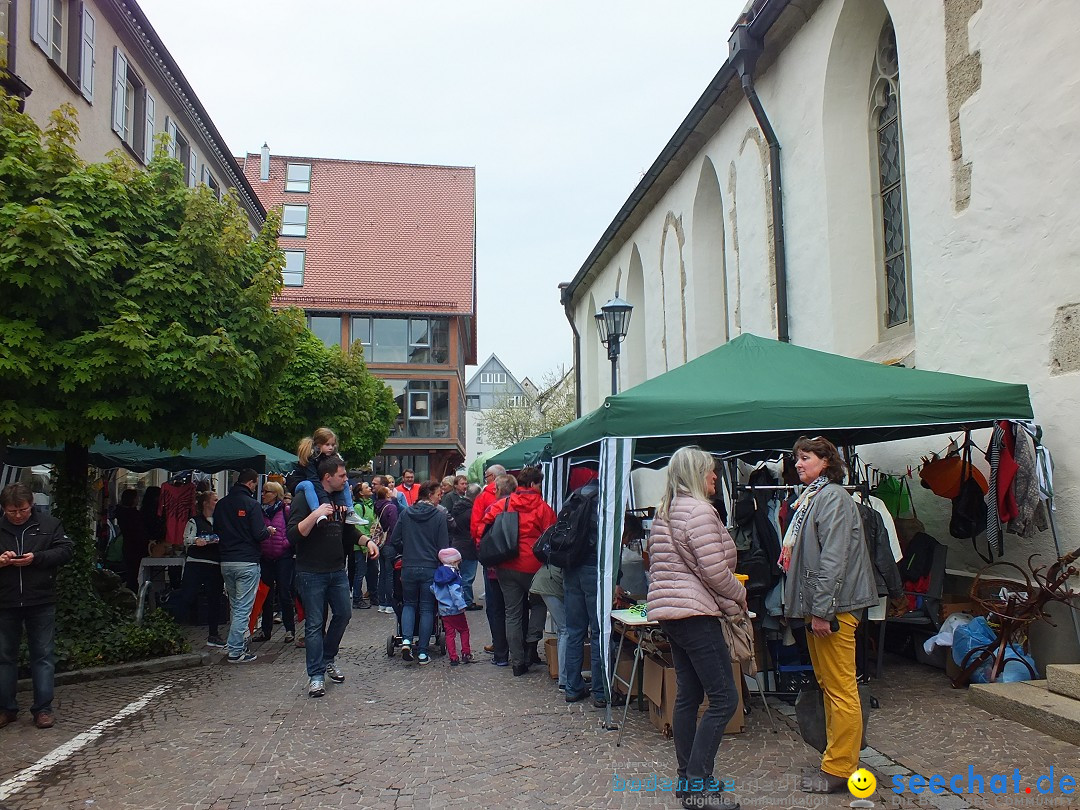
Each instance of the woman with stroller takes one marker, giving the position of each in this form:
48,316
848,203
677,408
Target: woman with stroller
421,533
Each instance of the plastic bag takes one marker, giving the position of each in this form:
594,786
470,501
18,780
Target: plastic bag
977,633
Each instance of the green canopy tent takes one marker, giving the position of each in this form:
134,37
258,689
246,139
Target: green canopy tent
233,451
753,393
475,471
526,453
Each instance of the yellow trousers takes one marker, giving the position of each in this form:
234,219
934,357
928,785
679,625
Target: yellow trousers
833,658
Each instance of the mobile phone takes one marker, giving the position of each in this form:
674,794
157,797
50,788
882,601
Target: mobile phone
834,625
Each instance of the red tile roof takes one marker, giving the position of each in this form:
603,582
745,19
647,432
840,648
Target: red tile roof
381,237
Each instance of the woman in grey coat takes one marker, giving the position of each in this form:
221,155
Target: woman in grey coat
829,582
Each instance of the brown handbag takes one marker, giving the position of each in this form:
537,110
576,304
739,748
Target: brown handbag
739,635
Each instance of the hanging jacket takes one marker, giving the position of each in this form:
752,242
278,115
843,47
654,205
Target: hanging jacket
448,592
886,574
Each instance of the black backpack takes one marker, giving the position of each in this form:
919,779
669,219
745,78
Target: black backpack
566,543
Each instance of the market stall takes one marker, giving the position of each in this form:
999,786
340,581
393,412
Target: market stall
759,394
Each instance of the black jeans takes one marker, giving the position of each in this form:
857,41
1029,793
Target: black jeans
201,577
278,576
702,667
496,616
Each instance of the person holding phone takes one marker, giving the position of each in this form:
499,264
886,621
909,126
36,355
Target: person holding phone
830,581
32,547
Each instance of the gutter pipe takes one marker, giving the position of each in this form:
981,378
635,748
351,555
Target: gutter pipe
745,50
564,297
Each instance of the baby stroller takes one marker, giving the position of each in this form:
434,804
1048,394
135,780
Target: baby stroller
394,640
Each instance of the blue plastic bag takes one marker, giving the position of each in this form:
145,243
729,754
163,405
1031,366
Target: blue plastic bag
977,633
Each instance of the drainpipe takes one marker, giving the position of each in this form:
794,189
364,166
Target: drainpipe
745,50
565,299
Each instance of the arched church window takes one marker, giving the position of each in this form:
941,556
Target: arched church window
894,269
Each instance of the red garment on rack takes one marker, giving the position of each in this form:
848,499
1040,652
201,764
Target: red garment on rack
177,505
1007,467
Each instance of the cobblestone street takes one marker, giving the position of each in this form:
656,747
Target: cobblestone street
394,736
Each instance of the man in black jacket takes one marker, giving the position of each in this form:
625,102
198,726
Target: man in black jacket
238,520
32,547
320,575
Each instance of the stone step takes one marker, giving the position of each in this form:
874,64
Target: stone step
1030,703
1064,679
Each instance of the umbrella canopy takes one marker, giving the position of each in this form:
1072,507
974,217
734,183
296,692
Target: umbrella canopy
754,393
233,451
523,454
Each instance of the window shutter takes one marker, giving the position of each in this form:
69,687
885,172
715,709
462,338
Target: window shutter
39,23
170,129
193,168
119,91
86,56
148,132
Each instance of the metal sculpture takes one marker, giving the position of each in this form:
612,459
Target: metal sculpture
1011,618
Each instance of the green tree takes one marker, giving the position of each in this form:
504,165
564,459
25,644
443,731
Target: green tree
331,387
130,306
510,422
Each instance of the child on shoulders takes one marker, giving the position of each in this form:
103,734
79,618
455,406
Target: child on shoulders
313,449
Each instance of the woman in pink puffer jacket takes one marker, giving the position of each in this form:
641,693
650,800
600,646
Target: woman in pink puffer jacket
692,583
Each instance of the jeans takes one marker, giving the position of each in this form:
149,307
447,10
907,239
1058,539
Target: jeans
579,602
317,592
417,595
241,584
702,667
557,611
467,569
343,498
278,572
40,622
386,582
495,607
515,587
365,568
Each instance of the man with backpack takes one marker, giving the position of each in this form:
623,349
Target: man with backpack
579,594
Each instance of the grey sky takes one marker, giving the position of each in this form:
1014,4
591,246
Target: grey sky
561,106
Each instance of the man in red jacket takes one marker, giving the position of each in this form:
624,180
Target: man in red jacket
485,499
408,487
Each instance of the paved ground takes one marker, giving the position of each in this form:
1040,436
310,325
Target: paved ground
392,736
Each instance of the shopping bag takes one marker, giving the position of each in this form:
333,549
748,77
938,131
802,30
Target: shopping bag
256,610
810,714
500,541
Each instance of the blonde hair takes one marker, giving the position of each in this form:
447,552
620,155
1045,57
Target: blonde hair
276,488
686,476
306,448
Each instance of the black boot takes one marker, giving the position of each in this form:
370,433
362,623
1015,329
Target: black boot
534,654
520,669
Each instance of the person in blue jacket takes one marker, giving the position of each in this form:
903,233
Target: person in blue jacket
450,595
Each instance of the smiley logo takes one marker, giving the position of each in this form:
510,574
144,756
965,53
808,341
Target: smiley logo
862,783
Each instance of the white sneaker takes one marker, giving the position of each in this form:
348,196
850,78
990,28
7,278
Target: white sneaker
354,519
334,674
316,687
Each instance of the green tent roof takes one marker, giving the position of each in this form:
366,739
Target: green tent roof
233,451
754,393
523,454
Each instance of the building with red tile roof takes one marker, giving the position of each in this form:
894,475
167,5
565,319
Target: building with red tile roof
384,254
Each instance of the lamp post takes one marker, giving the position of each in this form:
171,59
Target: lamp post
612,322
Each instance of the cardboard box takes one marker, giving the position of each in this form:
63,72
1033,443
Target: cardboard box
652,680
662,711
551,655
959,603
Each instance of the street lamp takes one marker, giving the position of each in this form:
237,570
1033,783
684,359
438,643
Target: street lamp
612,322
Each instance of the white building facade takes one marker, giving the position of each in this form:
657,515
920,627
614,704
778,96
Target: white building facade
928,197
